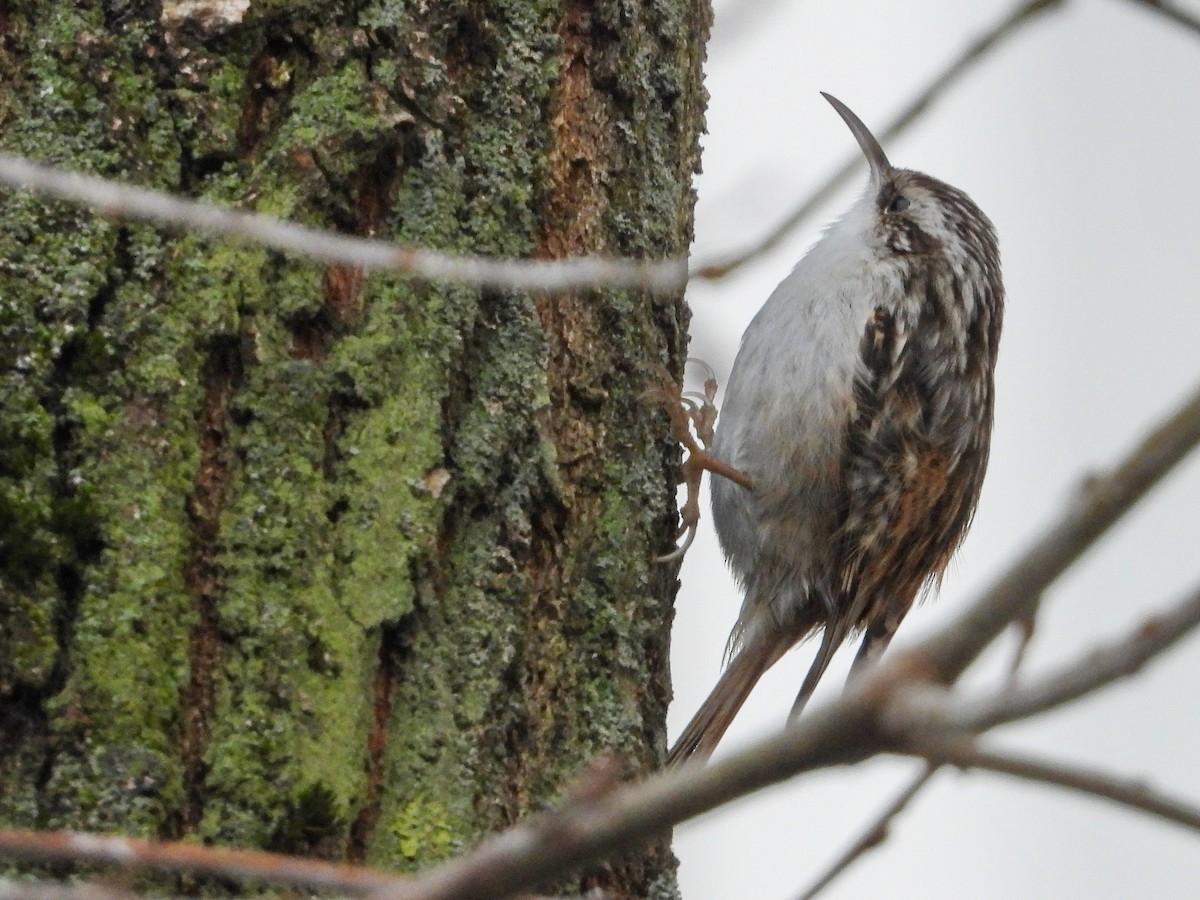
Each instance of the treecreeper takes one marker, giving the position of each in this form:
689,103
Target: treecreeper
860,409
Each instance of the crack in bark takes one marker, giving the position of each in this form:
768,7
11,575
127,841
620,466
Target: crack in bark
202,573
391,652
75,538
341,310
269,85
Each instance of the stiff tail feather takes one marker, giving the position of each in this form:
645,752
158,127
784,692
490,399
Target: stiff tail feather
709,723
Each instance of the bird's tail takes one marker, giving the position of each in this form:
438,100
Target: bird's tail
707,727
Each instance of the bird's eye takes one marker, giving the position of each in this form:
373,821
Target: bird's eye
899,203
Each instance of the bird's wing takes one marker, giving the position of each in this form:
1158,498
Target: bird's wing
908,497
893,474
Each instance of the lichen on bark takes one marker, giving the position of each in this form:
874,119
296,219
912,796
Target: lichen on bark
307,559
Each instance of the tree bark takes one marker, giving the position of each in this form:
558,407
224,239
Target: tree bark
297,558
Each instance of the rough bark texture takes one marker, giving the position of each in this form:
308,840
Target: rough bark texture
296,558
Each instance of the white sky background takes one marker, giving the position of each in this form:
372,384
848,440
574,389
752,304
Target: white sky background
1080,137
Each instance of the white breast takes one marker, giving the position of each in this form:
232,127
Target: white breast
784,411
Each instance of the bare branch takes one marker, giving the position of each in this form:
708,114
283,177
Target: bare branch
1128,793
947,78
1172,12
873,835
120,201
133,855
925,707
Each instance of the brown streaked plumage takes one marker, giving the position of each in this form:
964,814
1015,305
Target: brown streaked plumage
860,407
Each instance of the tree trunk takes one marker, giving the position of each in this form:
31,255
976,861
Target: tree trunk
297,558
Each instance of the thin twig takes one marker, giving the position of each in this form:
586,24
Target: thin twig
132,854
122,201
1172,12
1026,627
948,77
1126,792
1088,673
873,835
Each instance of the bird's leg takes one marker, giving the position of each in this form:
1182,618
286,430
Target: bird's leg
693,416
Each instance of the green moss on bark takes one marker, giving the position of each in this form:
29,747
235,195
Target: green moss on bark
311,560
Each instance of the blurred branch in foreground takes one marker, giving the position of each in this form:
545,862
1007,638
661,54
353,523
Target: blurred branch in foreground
121,201
133,855
1132,794
1174,13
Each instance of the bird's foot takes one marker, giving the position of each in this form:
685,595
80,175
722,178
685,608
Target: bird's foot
693,415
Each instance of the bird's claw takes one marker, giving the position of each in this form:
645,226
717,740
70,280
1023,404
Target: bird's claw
693,417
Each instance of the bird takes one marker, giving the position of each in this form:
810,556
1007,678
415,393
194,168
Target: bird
859,409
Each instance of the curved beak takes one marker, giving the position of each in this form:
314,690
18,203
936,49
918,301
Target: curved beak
880,167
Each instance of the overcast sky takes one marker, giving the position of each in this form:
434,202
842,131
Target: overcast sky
1080,137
